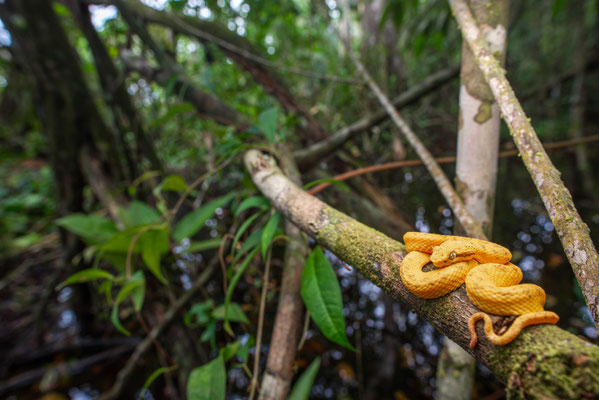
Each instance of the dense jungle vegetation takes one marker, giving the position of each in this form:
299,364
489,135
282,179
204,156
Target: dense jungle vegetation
151,248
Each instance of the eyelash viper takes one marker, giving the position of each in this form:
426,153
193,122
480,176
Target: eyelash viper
492,282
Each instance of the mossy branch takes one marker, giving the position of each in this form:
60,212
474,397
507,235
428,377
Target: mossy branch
544,361
573,233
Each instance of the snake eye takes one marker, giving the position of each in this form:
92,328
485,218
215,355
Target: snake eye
452,255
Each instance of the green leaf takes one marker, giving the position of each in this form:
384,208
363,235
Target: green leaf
152,378
208,382
232,285
209,334
270,229
235,313
252,241
195,220
136,288
154,244
268,121
260,202
301,389
90,274
173,183
246,224
138,214
230,350
93,229
322,296
199,311
196,247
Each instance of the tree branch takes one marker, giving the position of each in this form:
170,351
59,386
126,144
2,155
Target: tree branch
316,152
543,361
573,233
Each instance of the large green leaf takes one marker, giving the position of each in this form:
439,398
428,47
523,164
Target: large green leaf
208,382
322,296
267,122
301,389
270,230
195,220
93,229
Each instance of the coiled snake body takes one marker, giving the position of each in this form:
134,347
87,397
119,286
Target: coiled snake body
492,282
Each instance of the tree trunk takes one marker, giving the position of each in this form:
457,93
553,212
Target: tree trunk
476,172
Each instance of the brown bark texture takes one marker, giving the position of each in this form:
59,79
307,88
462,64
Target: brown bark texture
543,362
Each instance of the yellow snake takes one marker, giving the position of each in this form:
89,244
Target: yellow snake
492,283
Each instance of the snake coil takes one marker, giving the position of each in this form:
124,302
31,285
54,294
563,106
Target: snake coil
492,282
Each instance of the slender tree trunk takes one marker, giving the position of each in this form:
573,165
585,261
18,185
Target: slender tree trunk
288,322
476,172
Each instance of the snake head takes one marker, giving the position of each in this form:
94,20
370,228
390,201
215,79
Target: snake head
451,252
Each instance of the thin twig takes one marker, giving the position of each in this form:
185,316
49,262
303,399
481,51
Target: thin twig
254,382
469,223
440,160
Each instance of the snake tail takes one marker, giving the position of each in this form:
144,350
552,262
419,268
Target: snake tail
540,317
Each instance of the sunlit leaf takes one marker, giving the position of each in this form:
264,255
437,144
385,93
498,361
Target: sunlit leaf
322,296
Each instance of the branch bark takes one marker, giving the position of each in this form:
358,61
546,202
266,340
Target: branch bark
544,361
573,233
309,156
